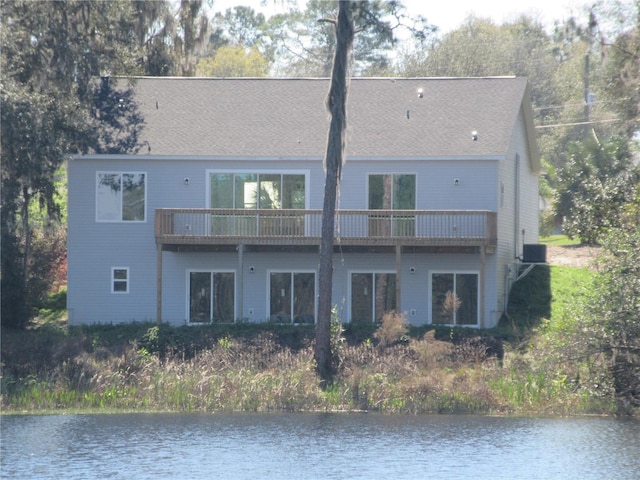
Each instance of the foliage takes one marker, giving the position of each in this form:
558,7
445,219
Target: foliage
240,27
530,299
304,45
172,41
613,314
52,107
337,340
621,75
597,180
588,342
230,61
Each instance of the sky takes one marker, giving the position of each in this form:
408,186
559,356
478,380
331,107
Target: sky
450,14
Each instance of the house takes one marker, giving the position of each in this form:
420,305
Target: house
217,217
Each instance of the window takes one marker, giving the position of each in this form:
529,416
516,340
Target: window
292,297
454,298
120,280
372,295
257,190
392,192
251,191
211,297
120,197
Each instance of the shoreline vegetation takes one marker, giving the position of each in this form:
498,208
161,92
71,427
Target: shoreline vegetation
527,366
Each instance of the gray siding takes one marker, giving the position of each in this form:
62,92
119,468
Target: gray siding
525,206
435,188
94,247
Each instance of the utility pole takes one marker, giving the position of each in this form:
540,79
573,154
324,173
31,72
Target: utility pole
588,97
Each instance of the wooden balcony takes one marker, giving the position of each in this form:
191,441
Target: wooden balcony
420,228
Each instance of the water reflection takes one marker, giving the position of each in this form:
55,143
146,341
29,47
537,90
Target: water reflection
317,446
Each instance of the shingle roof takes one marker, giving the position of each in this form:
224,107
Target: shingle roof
386,117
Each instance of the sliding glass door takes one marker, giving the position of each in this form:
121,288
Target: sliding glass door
211,297
292,297
372,294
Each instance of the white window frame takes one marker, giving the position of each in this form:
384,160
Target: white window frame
122,172
454,273
126,281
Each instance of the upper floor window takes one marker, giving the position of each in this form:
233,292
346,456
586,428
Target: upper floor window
257,190
392,192
120,197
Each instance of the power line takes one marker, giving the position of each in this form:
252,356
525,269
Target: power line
574,124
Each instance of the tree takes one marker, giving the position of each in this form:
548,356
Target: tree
230,61
305,47
172,41
334,159
594,185
240,26
238,45
351,17
621,73
613,314
190,37
51,106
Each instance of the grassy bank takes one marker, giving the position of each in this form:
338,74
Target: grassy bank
145,367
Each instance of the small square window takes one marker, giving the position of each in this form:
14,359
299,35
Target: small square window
120,280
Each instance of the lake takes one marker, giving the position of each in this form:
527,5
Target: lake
317,446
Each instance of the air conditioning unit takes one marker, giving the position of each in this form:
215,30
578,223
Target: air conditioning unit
534,253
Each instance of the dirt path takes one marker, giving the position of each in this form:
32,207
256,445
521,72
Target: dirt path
572,255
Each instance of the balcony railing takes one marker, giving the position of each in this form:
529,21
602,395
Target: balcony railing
187,226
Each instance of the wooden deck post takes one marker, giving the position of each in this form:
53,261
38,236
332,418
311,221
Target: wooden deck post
240,297
159,284
398,275
483,275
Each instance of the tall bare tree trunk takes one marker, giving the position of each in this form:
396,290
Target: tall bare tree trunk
336,104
